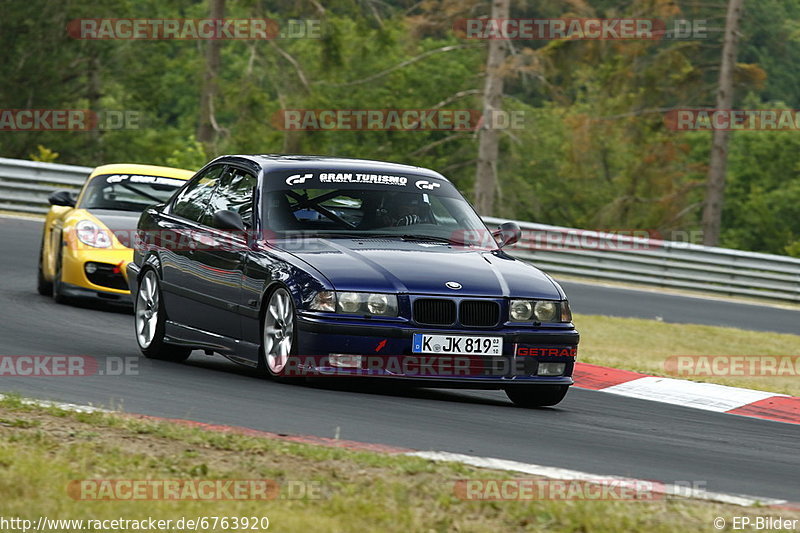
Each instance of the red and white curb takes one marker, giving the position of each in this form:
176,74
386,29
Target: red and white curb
705,396
550,472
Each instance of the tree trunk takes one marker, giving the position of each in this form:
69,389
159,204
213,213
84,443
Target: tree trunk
488,136
715,185
94,93
205,128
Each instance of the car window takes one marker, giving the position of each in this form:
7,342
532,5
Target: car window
235,193
192,201
128,192
368,211
324,207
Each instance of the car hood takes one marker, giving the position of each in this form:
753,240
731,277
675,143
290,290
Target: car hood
422,268
121,223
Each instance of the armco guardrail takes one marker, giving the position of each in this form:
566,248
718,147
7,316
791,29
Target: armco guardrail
25,186
610,256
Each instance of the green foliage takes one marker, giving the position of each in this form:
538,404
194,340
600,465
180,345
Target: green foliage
191,156
762,205
45,155
594,151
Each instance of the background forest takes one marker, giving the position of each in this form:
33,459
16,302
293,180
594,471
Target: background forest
595,151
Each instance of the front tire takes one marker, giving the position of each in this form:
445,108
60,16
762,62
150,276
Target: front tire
537,395
150,319
279,337
58,291
43,287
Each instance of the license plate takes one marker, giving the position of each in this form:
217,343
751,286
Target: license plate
457,344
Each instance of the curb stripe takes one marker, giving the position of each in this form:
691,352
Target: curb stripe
693,394
781,408
706,396
596,377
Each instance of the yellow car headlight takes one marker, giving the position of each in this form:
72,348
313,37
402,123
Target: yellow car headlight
92,234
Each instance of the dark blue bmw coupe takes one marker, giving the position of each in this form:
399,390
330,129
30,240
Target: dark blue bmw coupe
308,266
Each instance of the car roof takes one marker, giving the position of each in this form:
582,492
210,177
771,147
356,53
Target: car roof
147,170
272,162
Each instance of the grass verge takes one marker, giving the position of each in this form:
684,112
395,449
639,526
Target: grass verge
645,346
43,449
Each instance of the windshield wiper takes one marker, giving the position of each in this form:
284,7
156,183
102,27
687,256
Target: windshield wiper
427,238
418,238
404,237
339,234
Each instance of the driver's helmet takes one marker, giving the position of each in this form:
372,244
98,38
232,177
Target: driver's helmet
405,209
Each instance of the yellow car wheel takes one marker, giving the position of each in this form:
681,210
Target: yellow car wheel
44,287
58,292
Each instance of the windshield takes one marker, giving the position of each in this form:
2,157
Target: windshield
127,192
388,206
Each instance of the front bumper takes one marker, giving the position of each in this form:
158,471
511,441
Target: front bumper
132,273
109,281
385,350
83,293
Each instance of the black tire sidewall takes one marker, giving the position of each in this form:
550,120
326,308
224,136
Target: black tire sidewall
43,287
537,395
58,296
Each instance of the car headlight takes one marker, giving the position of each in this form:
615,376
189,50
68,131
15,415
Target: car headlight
324,301
92,234
361,303
378,304
546,311
348,302
521,310
539,311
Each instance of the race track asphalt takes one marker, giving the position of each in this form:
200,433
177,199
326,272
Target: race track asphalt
590,431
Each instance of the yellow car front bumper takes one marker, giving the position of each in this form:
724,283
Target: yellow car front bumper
98,272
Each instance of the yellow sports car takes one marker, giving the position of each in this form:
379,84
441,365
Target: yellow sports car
87,239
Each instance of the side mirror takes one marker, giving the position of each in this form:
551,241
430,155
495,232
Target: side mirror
507,233
62,197
225,219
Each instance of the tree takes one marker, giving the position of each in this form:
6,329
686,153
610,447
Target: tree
206,128
488,136
715,184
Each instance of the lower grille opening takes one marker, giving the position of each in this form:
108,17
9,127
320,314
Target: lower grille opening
106,275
